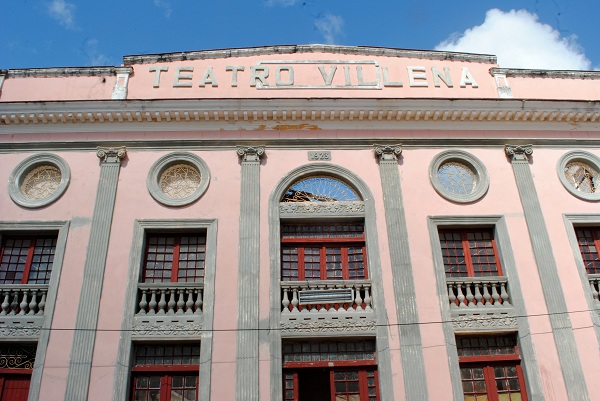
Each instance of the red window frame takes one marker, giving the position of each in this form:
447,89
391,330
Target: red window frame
14,384
588,239
311,251
491,368
33,262
470,253
364,367
166,372
171,258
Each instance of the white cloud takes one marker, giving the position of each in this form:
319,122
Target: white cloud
329,25
94,56
520,41
63,12
283,3
165,5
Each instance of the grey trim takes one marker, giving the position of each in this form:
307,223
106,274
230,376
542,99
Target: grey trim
247,368
61,72
411,347
482,182
578,156
560,321
152,182
42,342
295,49
529,73
3,74
383,352
572,220
529,362
122,366
20,172
84,336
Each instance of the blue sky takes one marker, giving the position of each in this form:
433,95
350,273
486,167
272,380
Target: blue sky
551,34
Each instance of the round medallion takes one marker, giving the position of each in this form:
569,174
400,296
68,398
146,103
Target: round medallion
459,176
179,181
41,182
579,172
582,177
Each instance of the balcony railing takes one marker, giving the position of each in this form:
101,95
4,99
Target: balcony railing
170,299
330,296
23,299
595,286
478,292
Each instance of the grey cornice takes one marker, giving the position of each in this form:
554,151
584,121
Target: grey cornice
293,49
526,73
60,72
286,114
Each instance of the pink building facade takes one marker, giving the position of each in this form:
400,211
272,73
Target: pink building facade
300,223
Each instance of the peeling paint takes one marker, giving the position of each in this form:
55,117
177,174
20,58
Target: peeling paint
289,127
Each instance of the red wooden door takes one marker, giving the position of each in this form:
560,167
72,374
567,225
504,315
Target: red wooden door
15,387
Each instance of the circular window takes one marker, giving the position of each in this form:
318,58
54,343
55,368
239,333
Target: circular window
39,180
458,176
579,173
178,179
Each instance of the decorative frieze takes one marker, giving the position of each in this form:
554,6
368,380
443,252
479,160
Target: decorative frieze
328,326
161,329
323,208
21,328
484,322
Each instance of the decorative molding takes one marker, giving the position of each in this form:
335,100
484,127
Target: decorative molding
527,73
19,173
478,168
120,90
321,208
250,153
584,157
61,72
388,152
15,329
158,168
111,155
518,152
167,330
328,326
484,322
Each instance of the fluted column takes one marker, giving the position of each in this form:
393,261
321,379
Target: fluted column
411,348
547,268
248,273
84,336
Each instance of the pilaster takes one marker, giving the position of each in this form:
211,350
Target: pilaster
3,74
93,275
248,272
411,349
120,90
548,271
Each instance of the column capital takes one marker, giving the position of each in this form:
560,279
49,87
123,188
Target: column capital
111,155
387,152
251,153
518,152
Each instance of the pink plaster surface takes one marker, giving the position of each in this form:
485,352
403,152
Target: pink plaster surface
554,88
33,89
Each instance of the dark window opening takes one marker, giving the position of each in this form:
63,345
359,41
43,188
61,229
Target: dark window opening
470,253
174,258
27,260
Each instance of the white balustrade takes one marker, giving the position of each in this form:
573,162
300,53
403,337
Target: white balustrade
337,296
477,292
23,299
595,286
169,298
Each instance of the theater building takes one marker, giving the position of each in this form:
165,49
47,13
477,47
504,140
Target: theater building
300,223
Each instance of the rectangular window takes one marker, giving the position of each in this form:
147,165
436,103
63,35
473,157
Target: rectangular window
330,371
174,258
470,253
166,372
16,365
323,252
589,243
490,368
26,260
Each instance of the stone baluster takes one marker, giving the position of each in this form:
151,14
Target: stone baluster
486,294
189,304
294,300
23,305
460,295
162,303
198,302
6,304
42,304
180,302
358,300
451,296
171,304
152,304
33,303
470,296
478,296
368,297
504,295
593,287
285,301
14,304
143,303
495,294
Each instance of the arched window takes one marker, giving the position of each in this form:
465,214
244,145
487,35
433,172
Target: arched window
320,188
